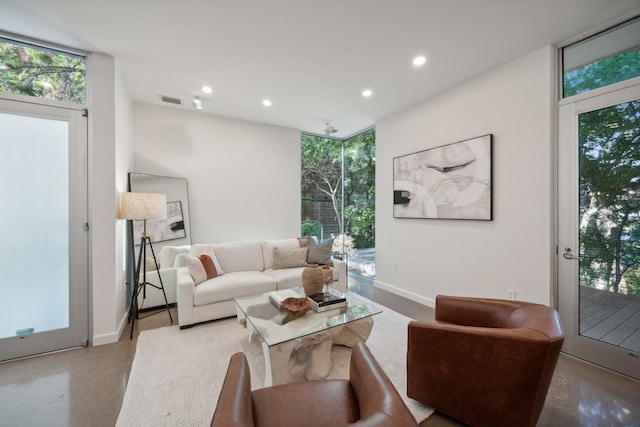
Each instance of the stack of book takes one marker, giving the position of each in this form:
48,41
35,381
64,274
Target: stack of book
327,301
277,297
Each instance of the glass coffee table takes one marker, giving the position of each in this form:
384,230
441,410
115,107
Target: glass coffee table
281,334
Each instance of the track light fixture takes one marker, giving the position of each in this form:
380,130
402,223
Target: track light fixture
197,103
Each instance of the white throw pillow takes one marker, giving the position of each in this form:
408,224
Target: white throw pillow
196,269
201,268
209,251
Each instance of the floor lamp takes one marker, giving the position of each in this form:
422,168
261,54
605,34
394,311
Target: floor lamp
144,206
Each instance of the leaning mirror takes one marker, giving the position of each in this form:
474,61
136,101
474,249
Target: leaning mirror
169,237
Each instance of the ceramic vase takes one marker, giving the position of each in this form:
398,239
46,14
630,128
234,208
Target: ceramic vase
312,279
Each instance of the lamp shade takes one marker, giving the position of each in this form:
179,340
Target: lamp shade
143,206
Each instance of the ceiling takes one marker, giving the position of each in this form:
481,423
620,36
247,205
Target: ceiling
311,58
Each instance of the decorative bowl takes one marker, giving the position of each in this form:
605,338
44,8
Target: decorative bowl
296,306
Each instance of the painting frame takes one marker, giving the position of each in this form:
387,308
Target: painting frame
451,181
171,228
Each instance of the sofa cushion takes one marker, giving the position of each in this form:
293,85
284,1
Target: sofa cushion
319,253
232,285
239,256
269,245
286,258
168,255
150,263
286,277
233,256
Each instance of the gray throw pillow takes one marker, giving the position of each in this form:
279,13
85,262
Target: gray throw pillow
319,253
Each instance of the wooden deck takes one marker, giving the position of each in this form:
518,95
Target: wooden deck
611,318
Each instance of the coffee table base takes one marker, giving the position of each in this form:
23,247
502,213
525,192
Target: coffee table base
278,361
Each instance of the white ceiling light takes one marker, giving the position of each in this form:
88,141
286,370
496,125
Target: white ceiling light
207,89
197,103
419,60
367,93
266,103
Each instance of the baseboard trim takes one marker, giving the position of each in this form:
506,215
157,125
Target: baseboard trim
114,336
105,339
406,294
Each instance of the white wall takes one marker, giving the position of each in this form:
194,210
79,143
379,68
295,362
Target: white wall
124,163
109,158
243,177
476,258
102,203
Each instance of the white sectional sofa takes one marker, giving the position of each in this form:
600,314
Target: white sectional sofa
248,268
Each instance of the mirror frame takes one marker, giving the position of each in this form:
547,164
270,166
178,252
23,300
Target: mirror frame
176,189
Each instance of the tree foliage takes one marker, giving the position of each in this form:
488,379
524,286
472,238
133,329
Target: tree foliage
614,69
360,188
42,73
609,141
322,170
323,163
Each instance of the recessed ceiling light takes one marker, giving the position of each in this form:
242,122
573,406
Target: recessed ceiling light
266,103
367,93
207,89
419,60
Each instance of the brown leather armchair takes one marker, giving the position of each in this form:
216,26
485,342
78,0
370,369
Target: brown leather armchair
367,399
486,362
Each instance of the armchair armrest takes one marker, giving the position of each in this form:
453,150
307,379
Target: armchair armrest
186,288
341,267
379,401
234,408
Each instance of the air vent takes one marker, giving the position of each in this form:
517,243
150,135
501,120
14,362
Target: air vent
171,100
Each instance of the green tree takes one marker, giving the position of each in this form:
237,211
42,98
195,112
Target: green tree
322,170
42,73
610,196
360,167
324,173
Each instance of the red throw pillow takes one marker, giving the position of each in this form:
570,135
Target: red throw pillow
209,266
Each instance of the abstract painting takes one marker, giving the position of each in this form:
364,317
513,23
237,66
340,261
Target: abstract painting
452,181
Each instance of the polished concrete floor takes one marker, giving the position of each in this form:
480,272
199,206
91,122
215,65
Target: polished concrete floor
85,387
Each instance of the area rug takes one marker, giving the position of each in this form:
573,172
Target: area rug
176,374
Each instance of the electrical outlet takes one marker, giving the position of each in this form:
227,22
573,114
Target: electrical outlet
511,294
394,266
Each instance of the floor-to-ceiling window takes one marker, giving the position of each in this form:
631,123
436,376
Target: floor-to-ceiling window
598,202
338,196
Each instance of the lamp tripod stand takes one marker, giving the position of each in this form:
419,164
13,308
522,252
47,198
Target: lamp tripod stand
142,285
143,206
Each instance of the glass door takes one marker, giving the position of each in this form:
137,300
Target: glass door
338,198
43,258
599,228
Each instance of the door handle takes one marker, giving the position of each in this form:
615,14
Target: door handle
568,255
